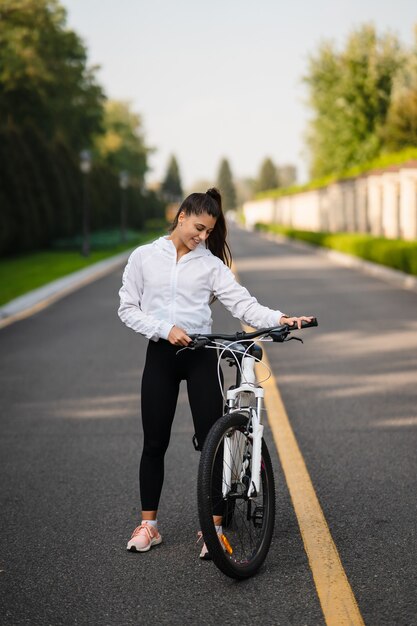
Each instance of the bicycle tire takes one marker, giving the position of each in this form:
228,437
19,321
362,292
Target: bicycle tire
250,524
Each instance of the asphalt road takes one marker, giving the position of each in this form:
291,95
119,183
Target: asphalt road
70,441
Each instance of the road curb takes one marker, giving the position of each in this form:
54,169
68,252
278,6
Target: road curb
38,299
395,277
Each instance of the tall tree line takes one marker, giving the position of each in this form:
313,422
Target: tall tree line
363,98
226,185
52,107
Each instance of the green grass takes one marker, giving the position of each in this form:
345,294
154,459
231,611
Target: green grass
395,253
21,274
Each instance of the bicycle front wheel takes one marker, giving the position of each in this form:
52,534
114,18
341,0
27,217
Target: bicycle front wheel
224,479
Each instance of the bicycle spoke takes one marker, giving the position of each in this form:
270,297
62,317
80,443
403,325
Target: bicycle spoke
247,522
242,535
225,475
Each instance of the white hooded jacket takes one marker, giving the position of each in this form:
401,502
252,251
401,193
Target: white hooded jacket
158,292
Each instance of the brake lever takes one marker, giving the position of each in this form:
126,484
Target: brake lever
295,338
279,338
197,343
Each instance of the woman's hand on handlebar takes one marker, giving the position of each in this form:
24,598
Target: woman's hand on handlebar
178,337
291,321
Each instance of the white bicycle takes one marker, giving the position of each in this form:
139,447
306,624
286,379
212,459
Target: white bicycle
235,477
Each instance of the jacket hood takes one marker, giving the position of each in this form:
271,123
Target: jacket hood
167,247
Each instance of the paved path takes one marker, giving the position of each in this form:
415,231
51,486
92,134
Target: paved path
70,440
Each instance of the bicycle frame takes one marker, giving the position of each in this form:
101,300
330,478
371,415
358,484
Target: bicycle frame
248,386
235,475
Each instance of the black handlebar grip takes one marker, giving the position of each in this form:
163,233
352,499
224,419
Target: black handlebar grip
311,324
198,342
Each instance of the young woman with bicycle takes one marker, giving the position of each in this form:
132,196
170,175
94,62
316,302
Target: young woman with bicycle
167,289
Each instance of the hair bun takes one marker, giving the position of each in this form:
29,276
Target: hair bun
215,194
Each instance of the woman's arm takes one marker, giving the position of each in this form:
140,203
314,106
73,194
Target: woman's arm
239,302
245,307
130,311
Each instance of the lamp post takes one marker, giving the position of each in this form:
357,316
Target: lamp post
85,167
124,184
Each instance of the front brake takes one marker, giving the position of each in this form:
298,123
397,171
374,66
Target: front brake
198,342
295,338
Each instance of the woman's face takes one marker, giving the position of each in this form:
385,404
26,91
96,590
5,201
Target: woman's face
193,229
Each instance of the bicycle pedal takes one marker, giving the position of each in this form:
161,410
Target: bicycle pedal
258,516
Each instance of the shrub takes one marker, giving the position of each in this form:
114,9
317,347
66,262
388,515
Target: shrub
395,253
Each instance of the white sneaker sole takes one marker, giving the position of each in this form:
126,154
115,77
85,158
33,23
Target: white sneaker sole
205,554
153,542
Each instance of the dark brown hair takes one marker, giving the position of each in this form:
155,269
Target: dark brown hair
210,203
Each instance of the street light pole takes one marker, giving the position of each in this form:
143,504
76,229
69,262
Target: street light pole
124,183
85,166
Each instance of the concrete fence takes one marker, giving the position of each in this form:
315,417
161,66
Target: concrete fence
381,202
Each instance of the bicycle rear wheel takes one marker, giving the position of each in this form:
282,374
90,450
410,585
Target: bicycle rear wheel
248,523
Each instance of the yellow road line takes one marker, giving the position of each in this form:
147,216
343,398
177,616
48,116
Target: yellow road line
336,597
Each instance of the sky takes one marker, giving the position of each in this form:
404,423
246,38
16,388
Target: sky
221,78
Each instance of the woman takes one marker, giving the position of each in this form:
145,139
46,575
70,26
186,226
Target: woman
167,288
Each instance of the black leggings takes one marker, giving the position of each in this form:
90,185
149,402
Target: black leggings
164,370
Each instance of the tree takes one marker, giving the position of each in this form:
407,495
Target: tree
287,175
226,186
44,78
171,186
350,94
267,176
50,107
122,145
400,130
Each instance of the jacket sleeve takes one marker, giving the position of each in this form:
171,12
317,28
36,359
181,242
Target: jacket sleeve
130,311
239,302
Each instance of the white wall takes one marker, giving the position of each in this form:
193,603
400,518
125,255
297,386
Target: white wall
383,203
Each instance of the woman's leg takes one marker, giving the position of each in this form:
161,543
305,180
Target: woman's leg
206,402
160,385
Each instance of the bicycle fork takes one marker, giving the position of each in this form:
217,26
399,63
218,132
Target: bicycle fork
234,447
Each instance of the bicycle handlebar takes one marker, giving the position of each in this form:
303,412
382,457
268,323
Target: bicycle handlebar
277,334
311,324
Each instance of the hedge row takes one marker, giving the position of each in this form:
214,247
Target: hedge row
383,161
41,194
395,253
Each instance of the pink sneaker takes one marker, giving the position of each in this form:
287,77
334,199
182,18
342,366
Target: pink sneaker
143,538
204,554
